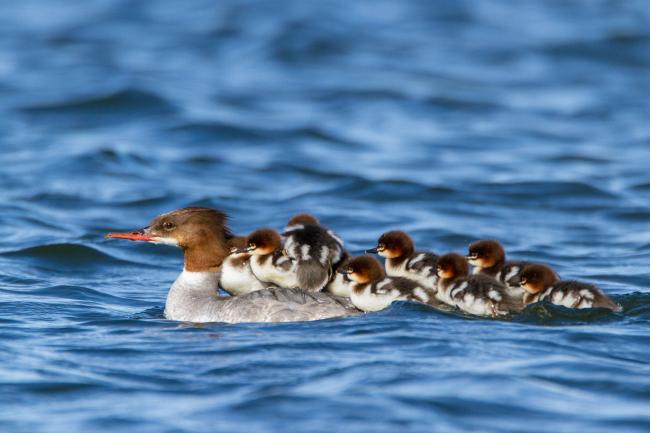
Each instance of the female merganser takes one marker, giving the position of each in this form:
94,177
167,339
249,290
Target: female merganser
203,235
316,250
475,294
489,258
403,261
268,262
372,290
237,277
542,284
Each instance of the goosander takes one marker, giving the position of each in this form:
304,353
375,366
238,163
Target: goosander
237,277
373,290
203,236
403,261
542,284
268,262
475,294
489,258
316,250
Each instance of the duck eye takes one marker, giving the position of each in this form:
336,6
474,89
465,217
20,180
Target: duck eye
167,225
252,245
381,247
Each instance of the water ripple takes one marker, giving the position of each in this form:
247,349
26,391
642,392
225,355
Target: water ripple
453,121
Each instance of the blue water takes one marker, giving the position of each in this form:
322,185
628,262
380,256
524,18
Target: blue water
453,120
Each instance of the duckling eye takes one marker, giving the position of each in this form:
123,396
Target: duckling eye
252,245
168,225
381,247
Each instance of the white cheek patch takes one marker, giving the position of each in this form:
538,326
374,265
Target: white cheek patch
165,241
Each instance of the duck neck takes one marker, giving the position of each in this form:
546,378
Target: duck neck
197,287
191,293
207,256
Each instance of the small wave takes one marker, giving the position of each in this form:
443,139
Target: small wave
641,215
641,187
151,313
120,106
577,158
544,313
548,189
200,132
463,104
614,50
81,293
636,304
68,254
127,99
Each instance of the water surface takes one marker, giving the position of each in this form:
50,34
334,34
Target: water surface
453,120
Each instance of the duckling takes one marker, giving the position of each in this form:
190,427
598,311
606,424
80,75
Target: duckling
403,261
341,284
316,250
475,294
372,290
489,258
268,263
237,277
542,284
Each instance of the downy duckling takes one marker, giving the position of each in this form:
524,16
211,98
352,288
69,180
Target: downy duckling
316,250
268,262
542,284
475,294
372,290
489,258
237,277
403,261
